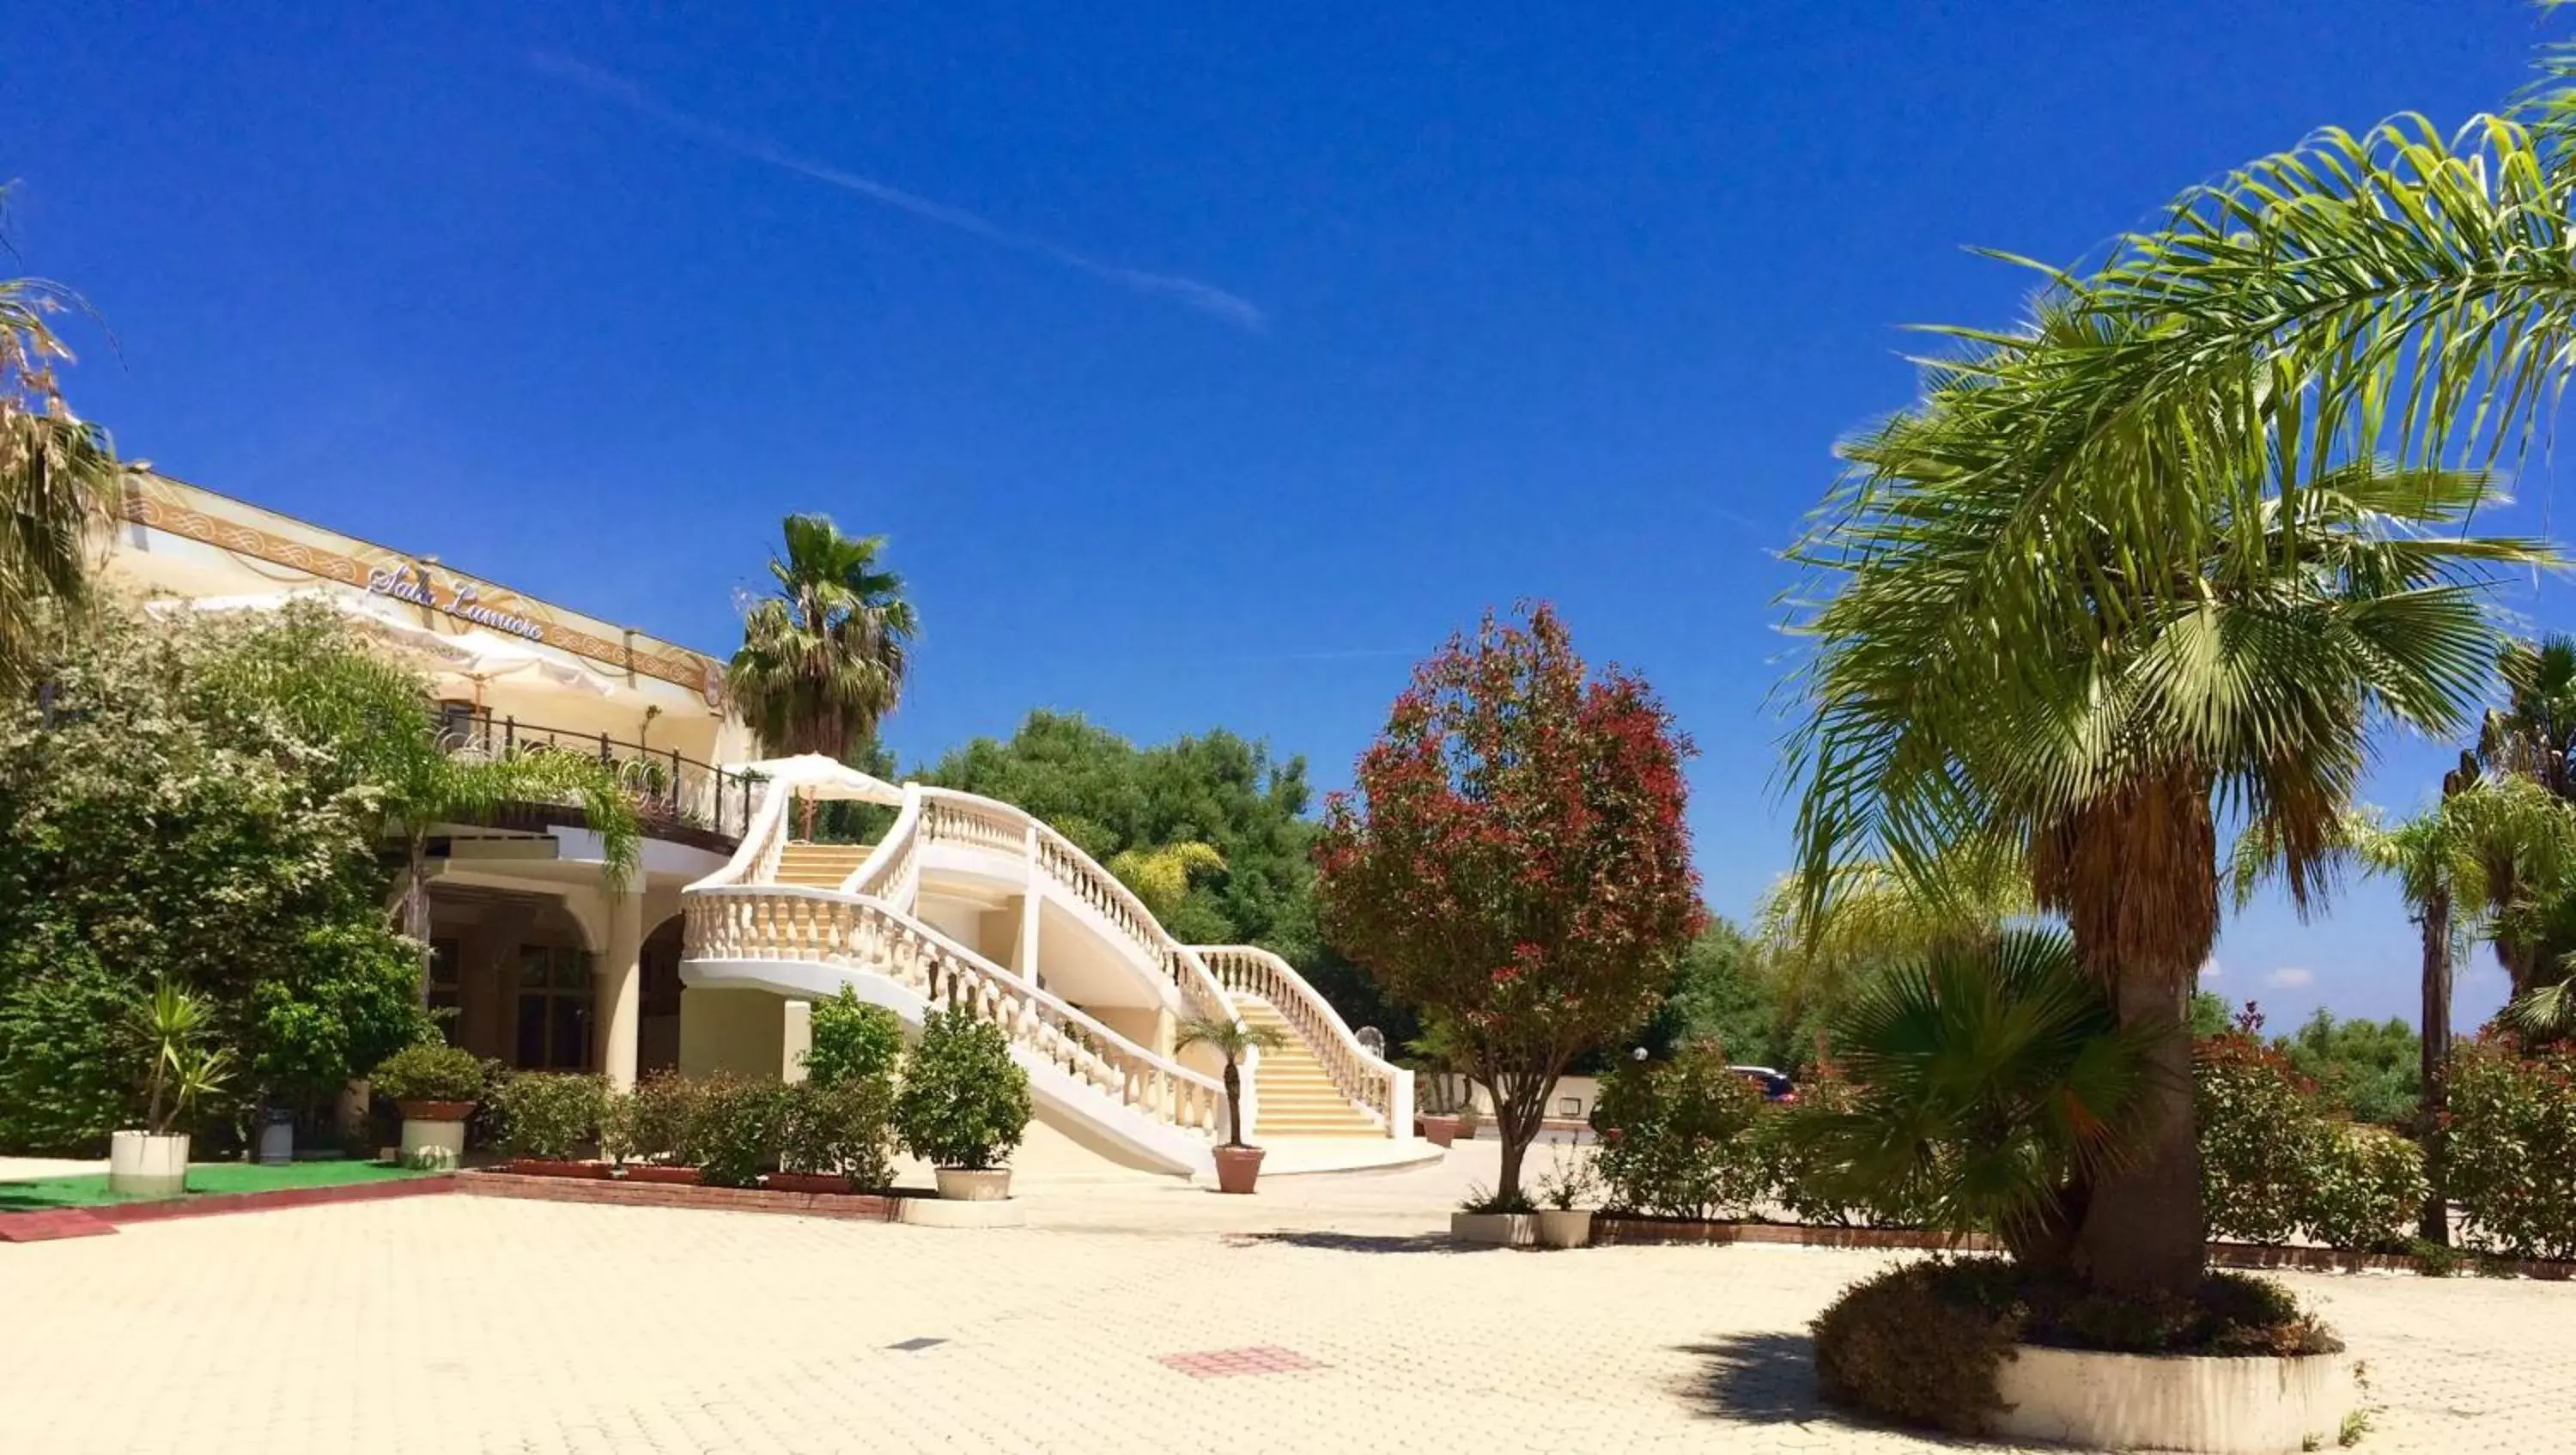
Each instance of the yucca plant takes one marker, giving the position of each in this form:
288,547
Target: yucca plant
185,1072
1233,1040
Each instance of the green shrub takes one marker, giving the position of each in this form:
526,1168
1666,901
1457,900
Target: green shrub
1677,1138
840,1128
650,1123
965,1102
2367,1192
1922,1342
853,1041
549,1115
2262,1139
428,1072
68,1051
736,1128
2512,1149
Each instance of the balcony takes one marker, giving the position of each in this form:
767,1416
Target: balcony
678,798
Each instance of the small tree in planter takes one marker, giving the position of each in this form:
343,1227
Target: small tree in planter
154,1160
1238,1166
548,1118
853,1040
1514,860
964,1105
437,1087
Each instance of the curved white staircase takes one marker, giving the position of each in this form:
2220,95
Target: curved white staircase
804,920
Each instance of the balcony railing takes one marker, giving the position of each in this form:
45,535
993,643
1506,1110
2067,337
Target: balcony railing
677,797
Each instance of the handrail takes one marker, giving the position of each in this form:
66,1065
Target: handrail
892,870
1071,867
756,857
666,784
1369,1080
785,922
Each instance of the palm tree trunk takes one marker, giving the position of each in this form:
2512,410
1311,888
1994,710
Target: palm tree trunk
2136,874
2435,1037
1233,1104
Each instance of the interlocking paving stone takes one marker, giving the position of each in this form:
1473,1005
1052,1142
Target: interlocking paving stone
471,1326
1218,1363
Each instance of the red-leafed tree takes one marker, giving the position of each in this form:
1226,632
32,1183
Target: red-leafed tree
1513,859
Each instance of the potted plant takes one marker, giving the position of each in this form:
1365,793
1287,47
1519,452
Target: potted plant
1562,1224
1238,1166
153,1161
964,1105
1435,1053
436,1086
547,1118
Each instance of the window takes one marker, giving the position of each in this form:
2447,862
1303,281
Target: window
446,991
554,1008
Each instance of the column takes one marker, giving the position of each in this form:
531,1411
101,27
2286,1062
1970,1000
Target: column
795,1039
618,989
1028,956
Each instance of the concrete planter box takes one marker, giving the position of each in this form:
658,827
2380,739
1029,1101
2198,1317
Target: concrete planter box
2134,1401
140,1164
1505,1230
956,1184
1564,1228
827,1182
657,1172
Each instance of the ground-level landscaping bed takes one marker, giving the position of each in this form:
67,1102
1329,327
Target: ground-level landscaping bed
1638,1229
628,1191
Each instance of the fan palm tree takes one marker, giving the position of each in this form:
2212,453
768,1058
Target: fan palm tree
1997,662
1233,1040
824,659
1992,1085
59,479
2534,734
2473,861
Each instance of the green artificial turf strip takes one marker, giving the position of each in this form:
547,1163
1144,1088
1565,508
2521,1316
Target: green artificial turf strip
90,1189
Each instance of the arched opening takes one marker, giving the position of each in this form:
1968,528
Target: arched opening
657,1030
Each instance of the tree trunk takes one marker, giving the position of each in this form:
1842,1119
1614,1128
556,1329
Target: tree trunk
2435,1036
1520,1107
1233,1104
2136,874
2143,1231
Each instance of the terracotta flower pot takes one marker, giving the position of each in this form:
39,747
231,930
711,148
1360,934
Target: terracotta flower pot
1237,1168
549,1167
807,1182
1440,1131
654,1172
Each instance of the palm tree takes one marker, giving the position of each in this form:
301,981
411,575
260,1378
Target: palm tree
428,788
2535,734
1234,1040
1992,1085
2474,860
824,659
2089,671
1826,947
59,478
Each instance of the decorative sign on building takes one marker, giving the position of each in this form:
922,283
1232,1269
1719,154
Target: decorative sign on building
413,583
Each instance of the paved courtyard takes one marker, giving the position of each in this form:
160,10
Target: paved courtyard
1321,1316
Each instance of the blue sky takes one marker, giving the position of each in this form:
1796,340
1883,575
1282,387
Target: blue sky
1207,365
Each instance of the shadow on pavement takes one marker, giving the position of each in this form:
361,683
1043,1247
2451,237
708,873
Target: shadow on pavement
1360,1242
1764,1379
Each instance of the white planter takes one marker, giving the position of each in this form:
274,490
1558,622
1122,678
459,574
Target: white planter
958,1185
432,1143
1564,1228
1509,1230
2136,1401
142,1165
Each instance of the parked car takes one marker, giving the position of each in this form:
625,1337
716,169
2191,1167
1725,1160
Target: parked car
1775,1086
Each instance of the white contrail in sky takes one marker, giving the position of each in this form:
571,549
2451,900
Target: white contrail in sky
1206,298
